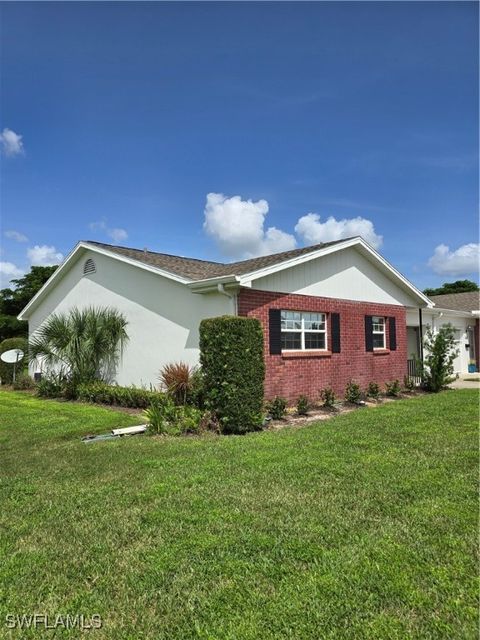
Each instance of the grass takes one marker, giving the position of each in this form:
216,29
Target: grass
363,526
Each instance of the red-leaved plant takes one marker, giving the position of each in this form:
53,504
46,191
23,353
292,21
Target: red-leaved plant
177,379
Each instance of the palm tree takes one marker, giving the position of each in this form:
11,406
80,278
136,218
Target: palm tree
83,345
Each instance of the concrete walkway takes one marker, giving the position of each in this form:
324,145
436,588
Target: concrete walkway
467,381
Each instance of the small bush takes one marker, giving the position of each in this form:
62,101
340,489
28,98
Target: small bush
177,379
231,355
408,384
353,393
373,390
277,408
131,397
23,382
167,418
161,416
51,385
327,396
392,389
440,352
303,406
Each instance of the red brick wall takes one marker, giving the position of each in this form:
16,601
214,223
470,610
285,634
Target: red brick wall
290,375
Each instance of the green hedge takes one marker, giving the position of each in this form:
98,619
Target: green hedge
103,393
231,354
6,370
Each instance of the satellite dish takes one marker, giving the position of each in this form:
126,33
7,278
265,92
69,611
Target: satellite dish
12,356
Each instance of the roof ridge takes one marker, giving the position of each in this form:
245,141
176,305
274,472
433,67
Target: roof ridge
157,253
305,249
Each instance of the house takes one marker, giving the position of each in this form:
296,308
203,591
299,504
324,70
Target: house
462,311
330,313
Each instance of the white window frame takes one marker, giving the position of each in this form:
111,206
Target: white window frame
302,331
379,333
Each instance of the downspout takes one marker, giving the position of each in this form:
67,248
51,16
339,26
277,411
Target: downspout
221,289
420,329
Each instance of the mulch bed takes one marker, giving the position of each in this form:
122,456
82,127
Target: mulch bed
317,413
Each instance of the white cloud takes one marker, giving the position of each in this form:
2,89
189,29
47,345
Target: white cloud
11,143
312,231
43,255
237,226
8,270
116,234
16,235
462,261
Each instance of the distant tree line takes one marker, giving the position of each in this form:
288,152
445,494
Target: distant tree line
459,286
13,300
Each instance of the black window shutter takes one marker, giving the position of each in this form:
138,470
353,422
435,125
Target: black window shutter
392,331
275,331
368,333
335,318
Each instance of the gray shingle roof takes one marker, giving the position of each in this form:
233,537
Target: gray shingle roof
194,269
469,301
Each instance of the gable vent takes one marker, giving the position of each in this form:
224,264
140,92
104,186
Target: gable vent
89,267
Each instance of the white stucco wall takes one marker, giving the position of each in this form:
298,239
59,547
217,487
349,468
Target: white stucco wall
345,274
163,315
434,320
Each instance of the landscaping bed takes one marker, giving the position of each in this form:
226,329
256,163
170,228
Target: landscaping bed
318,412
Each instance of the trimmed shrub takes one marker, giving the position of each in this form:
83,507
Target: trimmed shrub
131,397
6,370
373,390
197,391
231,355
277,408
327,396
303,406
392,389
353,393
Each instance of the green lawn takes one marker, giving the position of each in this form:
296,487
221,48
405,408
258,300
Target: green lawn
363,526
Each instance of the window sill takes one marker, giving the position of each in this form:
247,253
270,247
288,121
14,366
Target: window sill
381,352
306,354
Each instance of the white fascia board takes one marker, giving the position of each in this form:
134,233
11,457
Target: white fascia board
476,313
247,278
450,312
211,284
64,266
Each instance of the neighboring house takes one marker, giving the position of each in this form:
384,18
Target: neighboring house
330,313
462,311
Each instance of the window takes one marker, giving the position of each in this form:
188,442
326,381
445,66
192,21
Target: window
303,331
89,267
378,331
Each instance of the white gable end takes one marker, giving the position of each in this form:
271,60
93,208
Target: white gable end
163,315
344,274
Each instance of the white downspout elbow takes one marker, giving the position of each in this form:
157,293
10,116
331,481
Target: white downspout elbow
221,289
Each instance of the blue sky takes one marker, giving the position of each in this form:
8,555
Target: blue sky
130,114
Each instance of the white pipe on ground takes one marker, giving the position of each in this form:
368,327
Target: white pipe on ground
129,431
